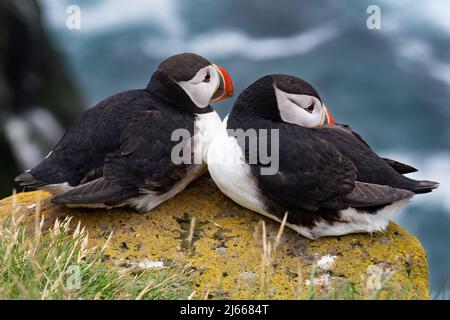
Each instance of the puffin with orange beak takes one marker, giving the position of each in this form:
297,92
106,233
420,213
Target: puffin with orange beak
120,152
321,178
299,103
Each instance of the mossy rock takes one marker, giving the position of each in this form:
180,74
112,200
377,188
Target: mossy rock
225,248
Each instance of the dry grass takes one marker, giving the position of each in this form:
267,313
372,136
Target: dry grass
58,263
312,291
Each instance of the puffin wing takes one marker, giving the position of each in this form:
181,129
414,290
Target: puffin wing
313,174
142,163
372,195
400,167
79,155
396,165
100,190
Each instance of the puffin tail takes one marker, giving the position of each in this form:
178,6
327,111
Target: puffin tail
400,167
424,186
27,180
100,191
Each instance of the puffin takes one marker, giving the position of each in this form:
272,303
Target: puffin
327,182
141,147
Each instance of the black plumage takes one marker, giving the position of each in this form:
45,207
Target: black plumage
123,144
321,170
396,165
143,160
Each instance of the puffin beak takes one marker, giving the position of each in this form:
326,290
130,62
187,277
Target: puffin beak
225,88
328,118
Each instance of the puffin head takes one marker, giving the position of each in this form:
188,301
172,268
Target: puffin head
285,98
200,81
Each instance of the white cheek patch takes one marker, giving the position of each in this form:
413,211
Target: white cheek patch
293,107
201,92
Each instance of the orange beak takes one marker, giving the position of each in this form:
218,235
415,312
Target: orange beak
225,88
328,117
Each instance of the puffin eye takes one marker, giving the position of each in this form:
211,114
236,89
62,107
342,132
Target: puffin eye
207,77
310,109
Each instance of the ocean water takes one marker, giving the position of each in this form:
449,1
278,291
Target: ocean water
391,85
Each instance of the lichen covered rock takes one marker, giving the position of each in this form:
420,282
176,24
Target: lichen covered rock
235,253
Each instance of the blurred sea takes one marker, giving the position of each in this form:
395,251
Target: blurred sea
391,85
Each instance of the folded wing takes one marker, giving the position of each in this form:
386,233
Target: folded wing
142,163
313,174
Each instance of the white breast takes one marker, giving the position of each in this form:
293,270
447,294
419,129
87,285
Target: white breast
230,172
206,127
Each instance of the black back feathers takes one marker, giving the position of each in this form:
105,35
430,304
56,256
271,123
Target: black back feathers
135,122
321,170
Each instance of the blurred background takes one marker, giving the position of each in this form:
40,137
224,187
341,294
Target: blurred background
392,85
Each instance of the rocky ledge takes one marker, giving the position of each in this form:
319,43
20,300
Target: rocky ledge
235,253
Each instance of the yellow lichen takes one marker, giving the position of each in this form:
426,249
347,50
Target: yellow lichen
227,249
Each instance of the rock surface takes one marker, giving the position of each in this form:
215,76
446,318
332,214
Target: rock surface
224,244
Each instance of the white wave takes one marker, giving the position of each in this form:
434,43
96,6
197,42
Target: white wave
434,13
105,15
434,167
222,44
402,20
45,123
18,133
28,134
414,53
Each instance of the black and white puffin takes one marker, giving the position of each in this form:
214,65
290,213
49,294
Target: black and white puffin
120,151
329,180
